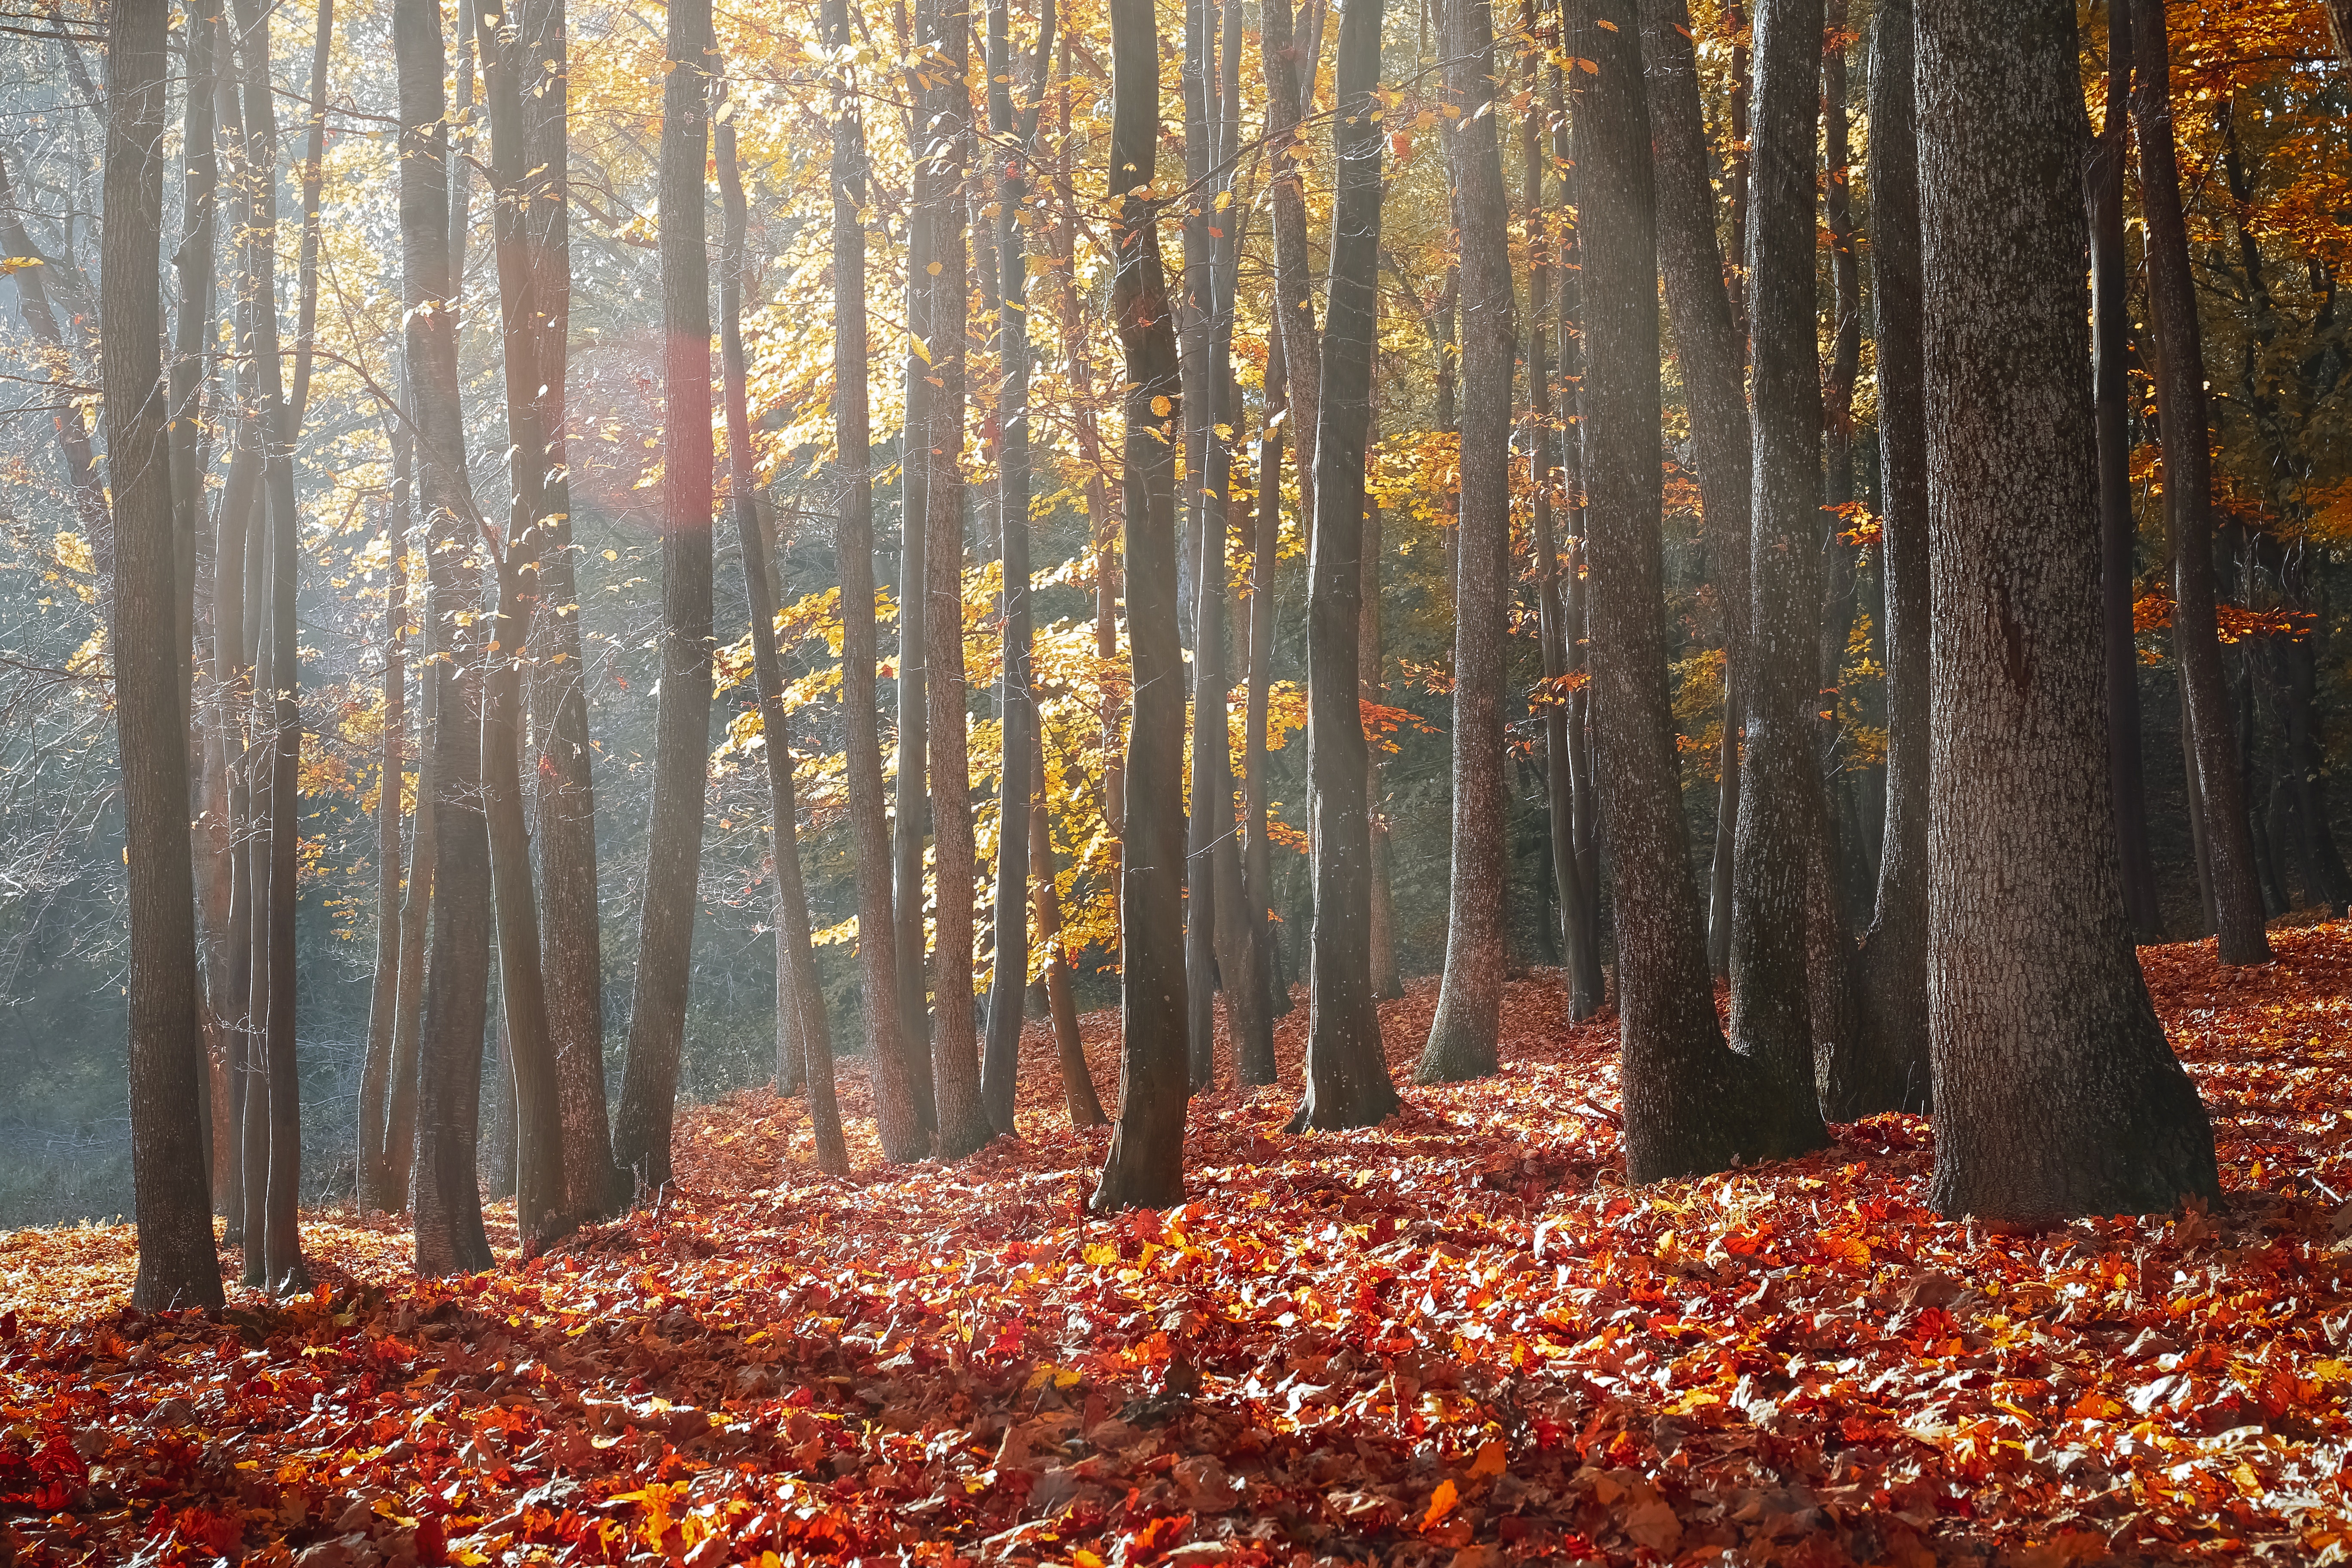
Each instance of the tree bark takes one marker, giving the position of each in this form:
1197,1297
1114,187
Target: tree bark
1373,688
1289,64
2188,496
1781,795
1840,559
374,1191
1145,1166
1250,1067
177,1265
894,1119
1463,1036
641,1131
1195,328
399,1129
445,1200
2055,1093
799,999
1886,1066
1346,1074
1241,937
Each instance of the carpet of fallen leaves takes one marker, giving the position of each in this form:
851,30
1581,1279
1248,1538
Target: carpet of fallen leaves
1458,1340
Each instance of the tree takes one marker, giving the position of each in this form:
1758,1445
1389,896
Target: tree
1464,1035
1145,1166
1289,71
2056,1092
895,1117
2229,848
1690,1104
1884,1066
1347,1075
641,1130
177,1266
374,1188
1780,796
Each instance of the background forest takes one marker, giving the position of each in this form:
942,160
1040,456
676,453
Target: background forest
2262,116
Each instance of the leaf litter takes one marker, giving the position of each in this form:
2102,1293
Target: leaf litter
1456,1339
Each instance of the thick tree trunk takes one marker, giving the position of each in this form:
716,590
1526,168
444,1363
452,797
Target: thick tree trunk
1885,1067
2102,185
894,1119
1781,825
1145,1167
570,936
374,1191
800,1000
2055,1093
641,1131
2188,496
177,1266
1463,1036
445,1200
1690,1104
1346,1074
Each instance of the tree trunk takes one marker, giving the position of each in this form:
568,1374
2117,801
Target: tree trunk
1346,1074
1586,980
1689,1103
963,1126
2188,497
539,1187
1078,1085
1371,688
1001,1069
1195,327
1241,937
1781,795
572,936
800,1000
1251,1068
1840,559
1289,64
399,1129
1885,1067
641,1131
2103,179
2055,1093
177,1266
1145,1167
445,1200
374,1191
894,1118
1464,1035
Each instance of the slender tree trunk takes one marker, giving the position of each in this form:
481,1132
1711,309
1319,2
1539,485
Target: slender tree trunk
1145,1167
399,1129
895,1116
1464,1035
444,1199
1250,1068
571,937
1885,1067
539,1187
1780,796
1840,559
177,1266
1372,688
2056,1092
1738,165
800,1000
1690,1104
1195,326
1001,1068
375,1191
955,1046
1586,980
641,1131
1348,1080
2188,496
1078,1085
1241,943
1289,65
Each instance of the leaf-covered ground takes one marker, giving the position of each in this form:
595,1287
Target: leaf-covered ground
1458,1340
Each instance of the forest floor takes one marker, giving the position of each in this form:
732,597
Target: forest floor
1456,1339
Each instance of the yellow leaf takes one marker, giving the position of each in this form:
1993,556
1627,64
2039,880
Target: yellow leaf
1440,1503
1161,405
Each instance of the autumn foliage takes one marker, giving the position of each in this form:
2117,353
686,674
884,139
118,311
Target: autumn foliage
1457,1338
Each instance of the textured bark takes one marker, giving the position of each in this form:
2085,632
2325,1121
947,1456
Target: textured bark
2056,1092
804,1038
1688,1105
571,934
1586,980
2103,189
1070,1057
2188,498
641,1129
1346,1074
1372,687
1464,1035
1195,329
540,1188
1001,1064
1885,1066
963,1126
177,1266
1780,796
1145,1166
375,1191
445,1200
189,444
896,1123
